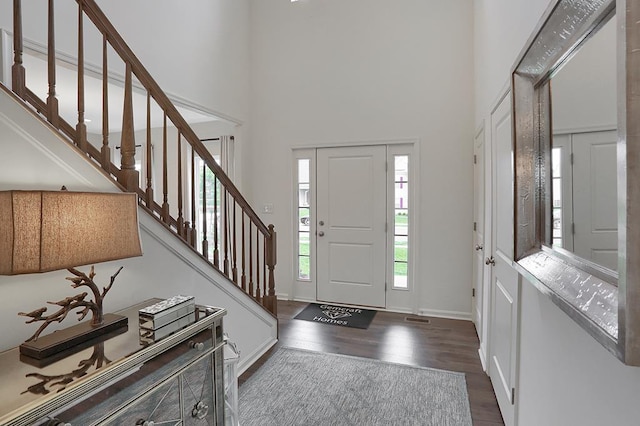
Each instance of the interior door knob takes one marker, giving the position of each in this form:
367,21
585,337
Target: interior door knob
490,261
321,234
321,223
479,247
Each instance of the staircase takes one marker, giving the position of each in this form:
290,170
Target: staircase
201,206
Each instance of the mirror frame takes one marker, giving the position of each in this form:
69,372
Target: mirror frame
606,306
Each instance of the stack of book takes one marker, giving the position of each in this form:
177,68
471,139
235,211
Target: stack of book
163,318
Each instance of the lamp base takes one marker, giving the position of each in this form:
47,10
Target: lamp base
67,338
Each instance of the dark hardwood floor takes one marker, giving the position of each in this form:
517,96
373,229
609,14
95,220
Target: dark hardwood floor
440,343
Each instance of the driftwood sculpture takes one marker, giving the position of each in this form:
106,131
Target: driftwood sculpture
70,303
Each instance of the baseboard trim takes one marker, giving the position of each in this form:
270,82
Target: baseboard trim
483,359
445,314
248,361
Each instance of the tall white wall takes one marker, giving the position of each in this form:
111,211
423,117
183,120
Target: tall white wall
339,72
565,377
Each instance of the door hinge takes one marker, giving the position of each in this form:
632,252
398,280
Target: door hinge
475,226
571,158
573,228
386,227
473,292
513,396
475,159
386,166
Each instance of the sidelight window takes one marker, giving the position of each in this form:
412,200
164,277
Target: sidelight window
304,219
401,222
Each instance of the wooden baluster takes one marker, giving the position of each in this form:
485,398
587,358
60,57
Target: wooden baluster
52,102
192,232
81,127
258,294
165,196
149,162
264,268
243,279
225,221
180,220
234,269
216,251
205,243
129,176
270,300
17,69
105,151
251,289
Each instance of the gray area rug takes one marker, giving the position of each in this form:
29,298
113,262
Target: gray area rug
298,387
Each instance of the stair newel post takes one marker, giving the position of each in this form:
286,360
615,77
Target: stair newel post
81,127
149,162
105,151
17,69
180,220
264,269
270,300
129,176
234,269
52,102
165,181
205,243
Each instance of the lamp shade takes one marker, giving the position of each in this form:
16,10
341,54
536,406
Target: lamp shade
44,231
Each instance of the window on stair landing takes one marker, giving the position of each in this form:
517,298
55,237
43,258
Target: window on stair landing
304,219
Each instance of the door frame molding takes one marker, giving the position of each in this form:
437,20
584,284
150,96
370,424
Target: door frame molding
404,301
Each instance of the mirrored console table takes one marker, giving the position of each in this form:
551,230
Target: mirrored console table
177,380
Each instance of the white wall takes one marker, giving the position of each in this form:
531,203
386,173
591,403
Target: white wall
565,377
501,28
36,158
196,49
338,72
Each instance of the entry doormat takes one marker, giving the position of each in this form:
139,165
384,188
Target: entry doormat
337,315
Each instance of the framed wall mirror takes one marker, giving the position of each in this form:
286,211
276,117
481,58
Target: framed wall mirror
576,121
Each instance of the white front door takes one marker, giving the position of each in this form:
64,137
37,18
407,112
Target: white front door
351,225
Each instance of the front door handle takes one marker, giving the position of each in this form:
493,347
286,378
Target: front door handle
490,261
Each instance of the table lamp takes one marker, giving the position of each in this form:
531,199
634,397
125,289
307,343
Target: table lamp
43,231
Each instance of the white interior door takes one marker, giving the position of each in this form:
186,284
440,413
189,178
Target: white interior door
505,280
351,225
478,228
595,212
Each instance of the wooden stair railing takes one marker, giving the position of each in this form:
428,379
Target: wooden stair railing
202,192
